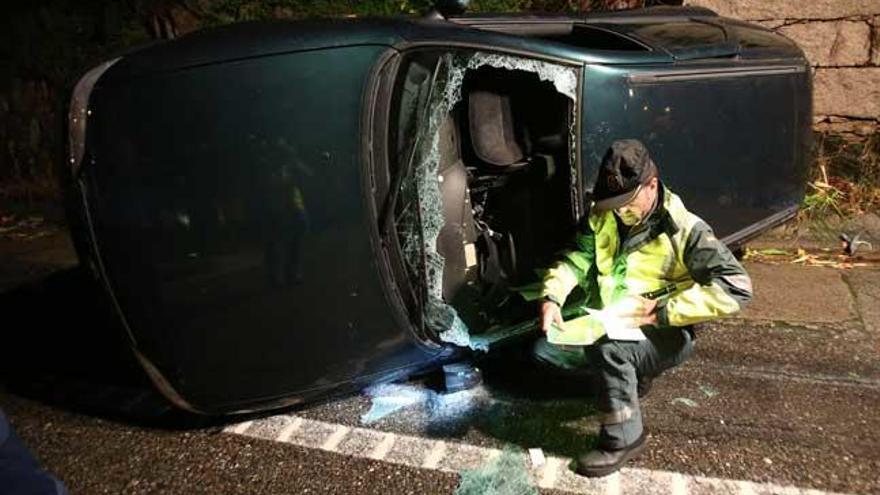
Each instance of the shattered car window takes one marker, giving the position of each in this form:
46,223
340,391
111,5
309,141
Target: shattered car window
413,94
432,86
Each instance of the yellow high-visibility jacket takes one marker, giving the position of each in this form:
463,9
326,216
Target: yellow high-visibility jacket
672,249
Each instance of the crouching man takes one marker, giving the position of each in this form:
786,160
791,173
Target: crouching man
639,242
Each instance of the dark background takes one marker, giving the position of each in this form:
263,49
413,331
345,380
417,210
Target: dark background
47,45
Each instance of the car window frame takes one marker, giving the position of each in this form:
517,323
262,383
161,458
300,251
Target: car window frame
379,94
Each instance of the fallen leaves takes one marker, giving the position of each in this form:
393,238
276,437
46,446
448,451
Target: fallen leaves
800,256
23,229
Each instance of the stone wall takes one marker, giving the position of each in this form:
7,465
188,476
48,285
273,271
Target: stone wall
841,38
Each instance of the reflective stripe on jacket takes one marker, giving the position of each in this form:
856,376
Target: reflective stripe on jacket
671,247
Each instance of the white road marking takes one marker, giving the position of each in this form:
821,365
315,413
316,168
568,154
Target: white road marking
384,447
548,477
285,434
679,484
549,473
789,490
240,428
746,488
537,457
333,441
435,455
612,486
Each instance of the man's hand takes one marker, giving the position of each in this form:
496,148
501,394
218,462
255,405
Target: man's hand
550,313
636,309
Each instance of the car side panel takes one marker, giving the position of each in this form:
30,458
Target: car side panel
734,145
229,215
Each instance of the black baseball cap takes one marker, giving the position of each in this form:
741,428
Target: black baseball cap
625,166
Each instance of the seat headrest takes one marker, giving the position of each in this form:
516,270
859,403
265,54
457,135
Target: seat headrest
491,128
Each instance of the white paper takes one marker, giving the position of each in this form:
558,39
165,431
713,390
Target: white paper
617,328
633,334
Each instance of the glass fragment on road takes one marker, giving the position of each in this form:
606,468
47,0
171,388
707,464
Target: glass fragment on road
708,390
684,401
507,474
388,399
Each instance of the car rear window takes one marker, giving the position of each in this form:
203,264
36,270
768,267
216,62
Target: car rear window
596,38
759,38
679,35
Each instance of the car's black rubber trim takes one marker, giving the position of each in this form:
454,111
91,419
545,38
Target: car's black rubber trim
757,228
382,248
446,44
714,73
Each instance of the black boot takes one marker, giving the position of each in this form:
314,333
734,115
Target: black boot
602,462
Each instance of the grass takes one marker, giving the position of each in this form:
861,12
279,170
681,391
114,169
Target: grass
846,177
824,199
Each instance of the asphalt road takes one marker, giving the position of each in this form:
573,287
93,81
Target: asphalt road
92,455
787,395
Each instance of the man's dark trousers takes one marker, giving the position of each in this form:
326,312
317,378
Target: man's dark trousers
618,366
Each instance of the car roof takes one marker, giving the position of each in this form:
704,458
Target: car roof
647,14
685,33
655,35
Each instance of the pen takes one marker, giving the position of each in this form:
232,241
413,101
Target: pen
655,294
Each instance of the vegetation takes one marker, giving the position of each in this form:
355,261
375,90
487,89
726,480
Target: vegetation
45,47
846,177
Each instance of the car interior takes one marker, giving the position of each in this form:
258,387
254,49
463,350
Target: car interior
506,182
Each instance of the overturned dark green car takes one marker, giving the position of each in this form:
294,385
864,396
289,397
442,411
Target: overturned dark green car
277,210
